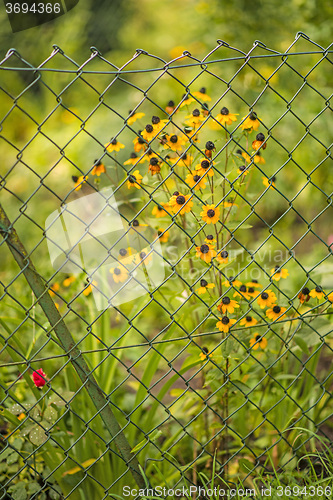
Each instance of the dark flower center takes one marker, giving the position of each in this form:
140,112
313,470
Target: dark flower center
205,164
123,252
273,178
159,233
205,350
204,106
260,137
224,254
75,178
224,111
242,168
130,112
141,140
253,116
173,139
277,268
203,283
250,289
305,291
196,178
171,104
231,279
155,120
114,142
142,255
203,90
196,112
132,179
210,237
176,193
149,128
239,151
210,212
225,320
226,300
254,281
242,288
153,161
248,319
204,249
318,289
258,338
133,155
97,163
135,223
277,309
117,271
180,200
210,145
264,296
183,156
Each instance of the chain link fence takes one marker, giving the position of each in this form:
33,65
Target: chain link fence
166,282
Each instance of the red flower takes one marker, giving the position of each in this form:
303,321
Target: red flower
39,378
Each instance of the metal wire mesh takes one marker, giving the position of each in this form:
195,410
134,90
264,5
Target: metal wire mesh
176,393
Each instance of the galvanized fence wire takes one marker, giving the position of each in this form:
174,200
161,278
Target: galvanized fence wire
66,330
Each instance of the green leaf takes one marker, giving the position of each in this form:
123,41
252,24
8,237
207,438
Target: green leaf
13,458
245,465
62,399
152,437
33,487
37,435
50,414
301,344
18,491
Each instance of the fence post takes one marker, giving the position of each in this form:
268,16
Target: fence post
51,312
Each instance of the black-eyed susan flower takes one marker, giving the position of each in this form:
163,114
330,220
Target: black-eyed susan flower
163,235
114,145
248,321
259,142
158,210
232,281
170,107
225,117
251,292
68,281
126,255
317,293
195,181
180,202
54,288
98,169
205,168
250,122
210,240
187,101
276,312
205,354
304,295
195,119
175,142
223,257
227,305
134,180
204,286
243,170
119,273
79,181
202,95
206,252
209,148
133,159
279,273
270,183
225,324
149,133
147,156
229,203
242,293
210,214
139,143
154,166
257,158
133,116
157,123
330,297
266,299
253,284
258,341
143,257
183,160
